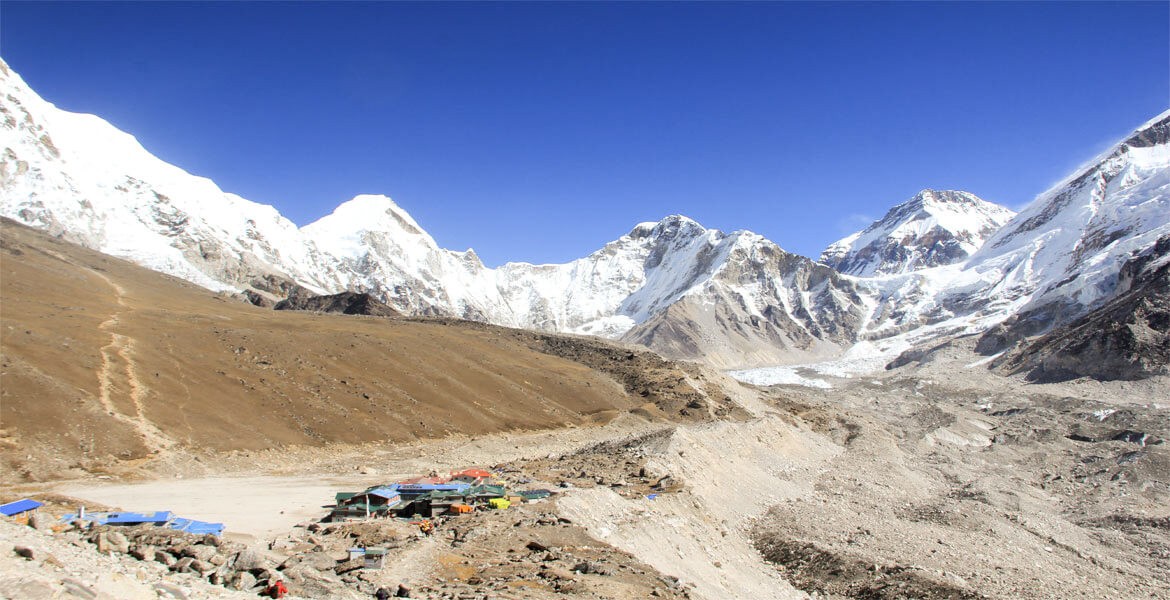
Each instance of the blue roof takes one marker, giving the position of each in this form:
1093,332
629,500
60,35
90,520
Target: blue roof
15,508
129,518
122,518
385,491
196,527
418,488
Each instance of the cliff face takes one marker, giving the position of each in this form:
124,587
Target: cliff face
1126,338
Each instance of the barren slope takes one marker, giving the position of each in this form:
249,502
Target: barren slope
105,362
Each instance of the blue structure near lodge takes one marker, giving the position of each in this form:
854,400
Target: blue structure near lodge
20,510
162,518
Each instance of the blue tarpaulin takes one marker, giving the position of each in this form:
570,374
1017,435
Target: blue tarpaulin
196,527
160,518
122,518
130,518
15,508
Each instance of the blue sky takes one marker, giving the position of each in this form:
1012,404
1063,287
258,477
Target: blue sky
540,131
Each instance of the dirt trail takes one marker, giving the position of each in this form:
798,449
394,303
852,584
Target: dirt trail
118,376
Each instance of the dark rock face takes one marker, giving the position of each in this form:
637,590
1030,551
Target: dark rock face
719,324
349,303
1126,338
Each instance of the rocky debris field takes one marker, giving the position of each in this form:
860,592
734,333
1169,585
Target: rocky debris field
955,485
39,564
523,552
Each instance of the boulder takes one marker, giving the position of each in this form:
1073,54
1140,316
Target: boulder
251,560
183,565
39,522
200,552
202,567
112,541
242,581
143,552
316,560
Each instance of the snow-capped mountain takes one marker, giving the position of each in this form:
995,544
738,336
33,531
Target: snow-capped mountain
1064,253
1056,260
934,228
79,177
733,299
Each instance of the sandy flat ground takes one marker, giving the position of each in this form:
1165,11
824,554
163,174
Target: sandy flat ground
249,507
257,503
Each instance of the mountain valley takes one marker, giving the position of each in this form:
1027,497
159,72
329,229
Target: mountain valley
956,402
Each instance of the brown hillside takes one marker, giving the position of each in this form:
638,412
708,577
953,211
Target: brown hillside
105,362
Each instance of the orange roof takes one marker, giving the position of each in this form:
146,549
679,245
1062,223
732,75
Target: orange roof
473,473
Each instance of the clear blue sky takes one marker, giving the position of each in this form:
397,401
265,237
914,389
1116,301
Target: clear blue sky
538,132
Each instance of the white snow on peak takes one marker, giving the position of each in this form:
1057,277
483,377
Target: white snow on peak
342,233
942,263
1069,244
931,229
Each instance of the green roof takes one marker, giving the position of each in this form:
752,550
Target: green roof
494,491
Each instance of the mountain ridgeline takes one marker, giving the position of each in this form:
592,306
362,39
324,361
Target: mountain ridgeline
943,263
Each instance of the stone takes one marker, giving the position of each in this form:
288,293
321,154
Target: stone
166,590
316,560
112,541
251,560
402,592
143,552
200,552
183,565
242,581
118,542
39,522
164,557
536,546
586,567
556,573
25,552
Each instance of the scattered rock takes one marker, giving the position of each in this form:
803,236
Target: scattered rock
112,541
200,552
242,580
39,522
251,560
183,565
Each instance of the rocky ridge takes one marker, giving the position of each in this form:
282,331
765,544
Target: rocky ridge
734,300
934,228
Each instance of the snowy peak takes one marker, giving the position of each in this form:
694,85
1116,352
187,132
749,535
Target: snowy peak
934,228
344,232
1063,253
